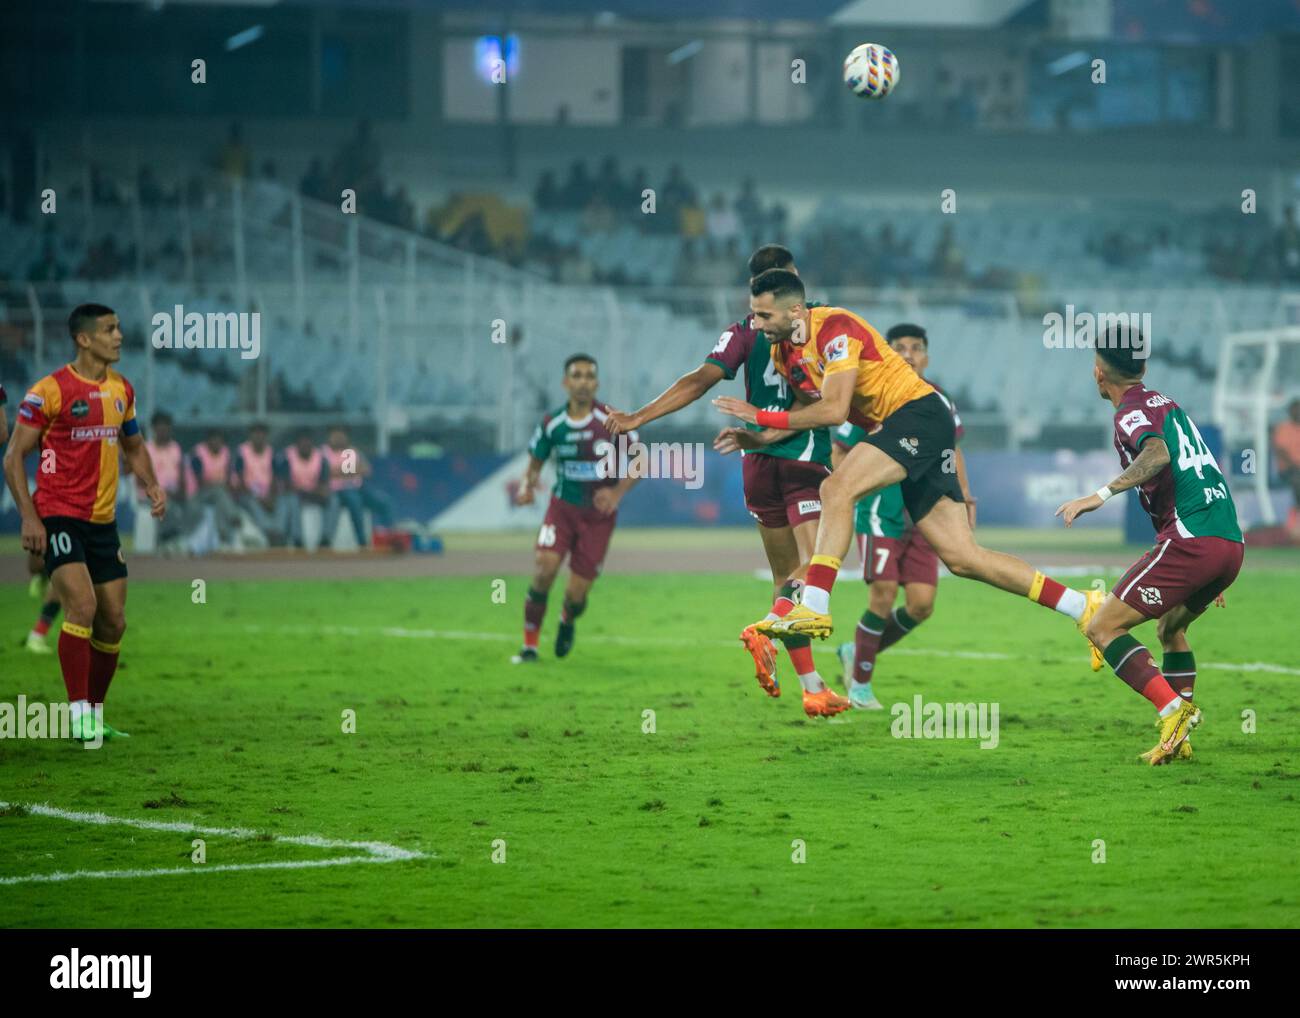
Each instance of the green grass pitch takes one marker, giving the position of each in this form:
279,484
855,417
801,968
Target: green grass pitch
236,711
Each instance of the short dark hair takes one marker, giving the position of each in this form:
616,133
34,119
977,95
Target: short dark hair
907,329
770,256
258,426
84,315
1119,349
580,358
160,417
782,284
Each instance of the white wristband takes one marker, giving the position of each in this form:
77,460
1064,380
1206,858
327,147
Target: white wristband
1104,492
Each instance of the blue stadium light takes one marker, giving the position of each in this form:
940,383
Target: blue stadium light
244,38
489,50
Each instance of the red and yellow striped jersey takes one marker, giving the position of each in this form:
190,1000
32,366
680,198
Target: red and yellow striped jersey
80,421
841,341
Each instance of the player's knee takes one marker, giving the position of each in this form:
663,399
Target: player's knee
833,491
920,610
79,609
1168,630
961,564
110,626
1101,632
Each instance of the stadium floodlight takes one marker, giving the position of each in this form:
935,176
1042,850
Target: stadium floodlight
1248,388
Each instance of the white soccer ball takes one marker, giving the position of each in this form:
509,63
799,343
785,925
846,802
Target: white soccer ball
871,71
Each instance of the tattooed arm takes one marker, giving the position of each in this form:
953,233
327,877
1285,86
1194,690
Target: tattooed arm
1152,459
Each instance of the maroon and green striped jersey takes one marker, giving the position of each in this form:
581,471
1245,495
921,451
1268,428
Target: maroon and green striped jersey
1189,497
583,450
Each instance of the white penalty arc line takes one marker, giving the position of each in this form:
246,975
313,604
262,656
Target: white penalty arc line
398,632
375,851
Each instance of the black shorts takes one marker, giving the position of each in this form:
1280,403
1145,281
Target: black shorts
920,436
96,544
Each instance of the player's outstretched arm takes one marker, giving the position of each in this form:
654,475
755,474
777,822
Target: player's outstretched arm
140,463
730,440
1153,458
24,441
683,392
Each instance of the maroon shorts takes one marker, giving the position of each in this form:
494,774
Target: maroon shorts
1191,571
581,533
782,492
905,560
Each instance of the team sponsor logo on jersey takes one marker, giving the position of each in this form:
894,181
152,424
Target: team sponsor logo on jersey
1133,420
909,445
581,470
811,505
95,433
1149,595
1158,400
837,349
722,342
80,408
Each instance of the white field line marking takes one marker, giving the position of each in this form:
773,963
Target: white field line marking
659,641
376,851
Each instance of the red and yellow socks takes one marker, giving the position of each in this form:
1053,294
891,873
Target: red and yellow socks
74,660
1057,596
800,650
785,600
818,583
1133,663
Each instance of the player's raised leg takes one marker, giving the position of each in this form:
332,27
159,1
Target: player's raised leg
947,527
1132,662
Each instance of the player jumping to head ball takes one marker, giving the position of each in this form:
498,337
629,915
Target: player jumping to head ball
842,369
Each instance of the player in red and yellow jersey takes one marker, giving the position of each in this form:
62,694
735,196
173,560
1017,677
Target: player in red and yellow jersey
842,369
78,417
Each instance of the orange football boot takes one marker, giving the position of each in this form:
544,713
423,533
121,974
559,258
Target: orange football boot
764,654
825,704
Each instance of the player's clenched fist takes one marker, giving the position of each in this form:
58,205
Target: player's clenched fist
524,496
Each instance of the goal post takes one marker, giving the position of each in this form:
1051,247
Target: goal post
1259,373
